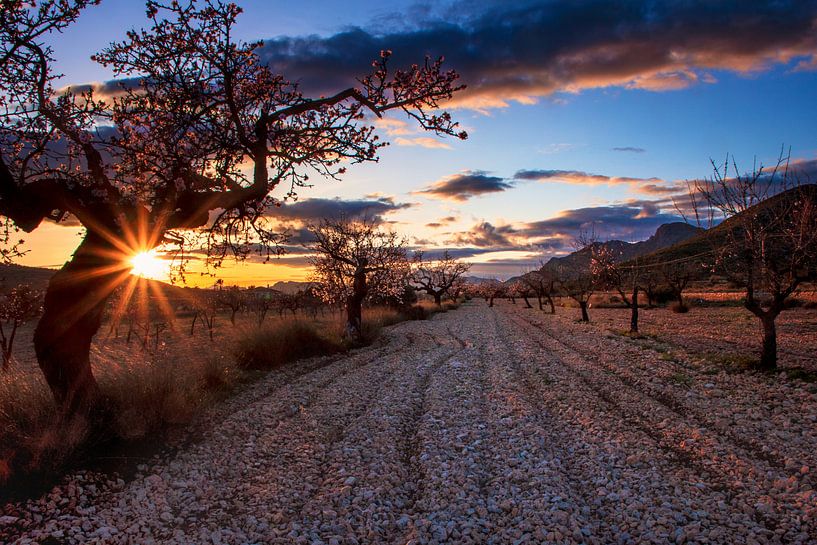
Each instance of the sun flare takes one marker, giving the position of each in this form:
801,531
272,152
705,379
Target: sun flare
148,264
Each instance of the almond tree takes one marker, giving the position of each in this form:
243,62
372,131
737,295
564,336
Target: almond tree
438,277
677,276
20,305
626,279
195,140
543,285
232,298
579,282
767,242
356,260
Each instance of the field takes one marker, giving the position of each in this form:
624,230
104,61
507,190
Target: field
485,425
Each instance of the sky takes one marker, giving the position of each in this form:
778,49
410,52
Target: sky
579,113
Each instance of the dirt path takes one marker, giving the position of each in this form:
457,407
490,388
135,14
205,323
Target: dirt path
480,426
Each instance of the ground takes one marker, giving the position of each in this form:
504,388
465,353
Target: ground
482,425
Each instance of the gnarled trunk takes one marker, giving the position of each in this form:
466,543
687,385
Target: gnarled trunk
634,311
768,354
527,303
354,306
438,298
583,306
552,306
72,313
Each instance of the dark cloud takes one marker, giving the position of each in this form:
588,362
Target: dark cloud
313,210
630,149
523,50
442,222
578,177
106,89
629,222
455,252
487,235
461,187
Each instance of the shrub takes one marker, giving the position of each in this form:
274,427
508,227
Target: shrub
281,343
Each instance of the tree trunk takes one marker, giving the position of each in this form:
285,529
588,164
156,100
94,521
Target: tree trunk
438,298
527,303
354,306
768,355
6,359
539,300
72,313
552,306
583,306
232,316
491,303
634,311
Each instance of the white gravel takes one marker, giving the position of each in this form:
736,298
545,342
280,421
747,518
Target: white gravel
482,425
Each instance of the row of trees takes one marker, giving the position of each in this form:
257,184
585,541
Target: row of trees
357,261
760,235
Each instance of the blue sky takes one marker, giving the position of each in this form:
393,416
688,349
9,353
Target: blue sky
729,94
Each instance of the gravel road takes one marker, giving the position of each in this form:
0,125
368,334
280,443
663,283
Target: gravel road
482,425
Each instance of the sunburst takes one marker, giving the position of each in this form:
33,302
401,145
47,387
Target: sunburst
149,264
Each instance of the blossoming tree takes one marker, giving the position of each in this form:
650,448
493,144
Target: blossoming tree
194,140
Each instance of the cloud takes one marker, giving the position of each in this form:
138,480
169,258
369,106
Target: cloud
502,56
552,149
104,89
635,220
465,185
442,222
313,210
485,234
578,177
422,141
393,127
630,149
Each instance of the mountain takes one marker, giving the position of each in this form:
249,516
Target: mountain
477,280
13,275
38,278
665,236
291,287
702,243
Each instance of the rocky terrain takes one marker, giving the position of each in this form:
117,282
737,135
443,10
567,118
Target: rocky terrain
483,425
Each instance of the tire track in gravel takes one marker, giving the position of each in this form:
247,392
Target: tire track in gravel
700,422
733,484
373,460
579,462
326,427
451,505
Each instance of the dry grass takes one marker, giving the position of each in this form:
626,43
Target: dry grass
284,342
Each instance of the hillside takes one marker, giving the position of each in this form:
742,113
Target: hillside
696,248
667,235
291,286
38,278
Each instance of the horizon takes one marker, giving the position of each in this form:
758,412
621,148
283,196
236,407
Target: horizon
561,137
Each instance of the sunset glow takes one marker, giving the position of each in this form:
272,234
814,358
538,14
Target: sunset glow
149,264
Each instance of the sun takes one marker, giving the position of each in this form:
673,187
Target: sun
148,264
